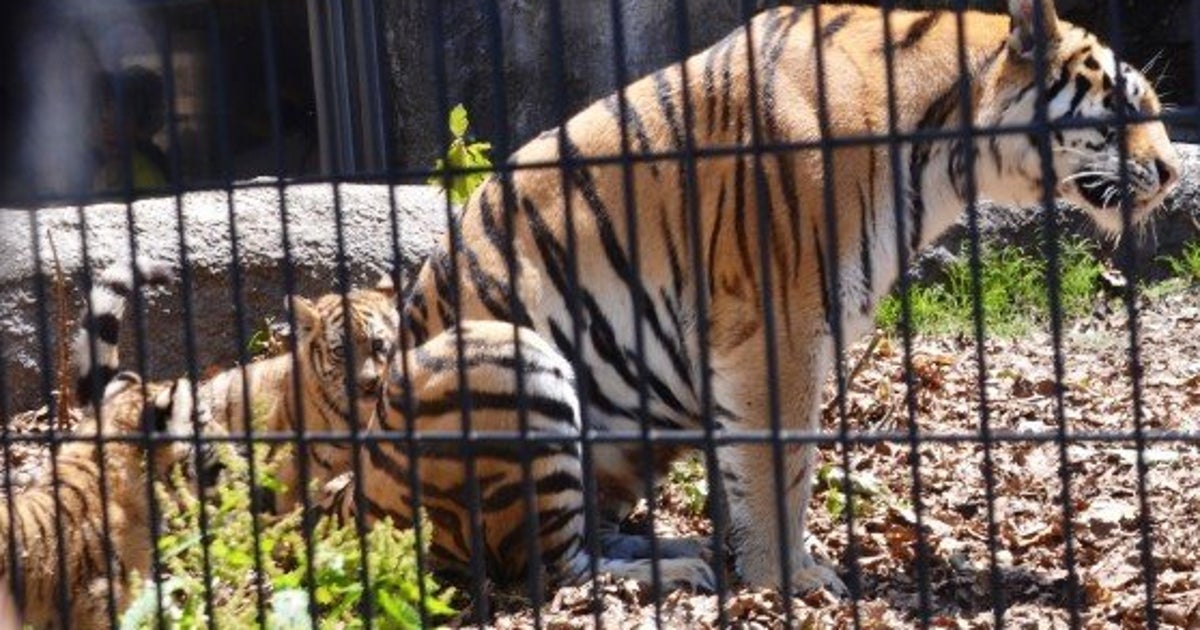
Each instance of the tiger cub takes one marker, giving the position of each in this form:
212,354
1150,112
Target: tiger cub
319,350
508,378
330,397
758,257
103,521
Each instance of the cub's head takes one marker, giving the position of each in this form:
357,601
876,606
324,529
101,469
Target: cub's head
373,323
1084,86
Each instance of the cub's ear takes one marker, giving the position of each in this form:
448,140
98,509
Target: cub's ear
1022,40
307,318
385,285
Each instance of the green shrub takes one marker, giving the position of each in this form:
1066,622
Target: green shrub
337,586
689,480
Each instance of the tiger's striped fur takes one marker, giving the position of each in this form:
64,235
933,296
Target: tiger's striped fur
770,254
268,385
103,521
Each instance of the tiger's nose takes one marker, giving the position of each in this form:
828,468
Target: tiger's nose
1167,174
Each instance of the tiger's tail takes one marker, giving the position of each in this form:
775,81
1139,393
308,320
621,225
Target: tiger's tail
95,355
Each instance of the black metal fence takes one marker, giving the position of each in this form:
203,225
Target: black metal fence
304,95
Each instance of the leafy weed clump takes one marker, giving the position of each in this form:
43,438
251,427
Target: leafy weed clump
244,572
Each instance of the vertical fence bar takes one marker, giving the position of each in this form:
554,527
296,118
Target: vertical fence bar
967,130
471,493
502,147
1041,131
626,116
125,151
105,514
568,162
832,262
1128,264
299,439
334,64
761,195
166,55
399,264
717,506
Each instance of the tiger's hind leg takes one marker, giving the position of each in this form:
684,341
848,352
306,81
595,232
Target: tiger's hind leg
514,379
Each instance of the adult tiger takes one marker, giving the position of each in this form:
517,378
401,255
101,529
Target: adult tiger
97,504
810,235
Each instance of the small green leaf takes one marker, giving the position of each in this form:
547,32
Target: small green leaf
458,121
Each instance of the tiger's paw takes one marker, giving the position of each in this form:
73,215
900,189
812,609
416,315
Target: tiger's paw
814,576
687,573
673,573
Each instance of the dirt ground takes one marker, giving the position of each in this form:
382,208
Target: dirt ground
1027,574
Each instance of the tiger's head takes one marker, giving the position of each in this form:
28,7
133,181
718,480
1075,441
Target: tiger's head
326,351
1083,87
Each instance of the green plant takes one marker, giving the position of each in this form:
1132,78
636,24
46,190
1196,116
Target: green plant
1013,292
337,588
689,481
264,341
866,492
1186,264
466,164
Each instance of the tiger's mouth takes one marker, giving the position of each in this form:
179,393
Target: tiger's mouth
1099,192
1102,196
367,391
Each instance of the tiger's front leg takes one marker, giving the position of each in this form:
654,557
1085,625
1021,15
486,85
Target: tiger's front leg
753,483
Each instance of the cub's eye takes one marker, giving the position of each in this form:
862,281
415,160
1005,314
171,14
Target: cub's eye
337,352
379,346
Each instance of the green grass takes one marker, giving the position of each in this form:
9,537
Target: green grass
1012,290
394,583
1186,264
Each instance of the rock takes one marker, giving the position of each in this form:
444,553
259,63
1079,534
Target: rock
1169,229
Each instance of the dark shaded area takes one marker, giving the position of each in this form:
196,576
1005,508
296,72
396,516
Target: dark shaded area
120,99
535,90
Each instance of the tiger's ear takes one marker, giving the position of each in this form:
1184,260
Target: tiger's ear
305,312
385,285
1023,37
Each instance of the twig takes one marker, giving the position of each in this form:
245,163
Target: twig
854,371
65,395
